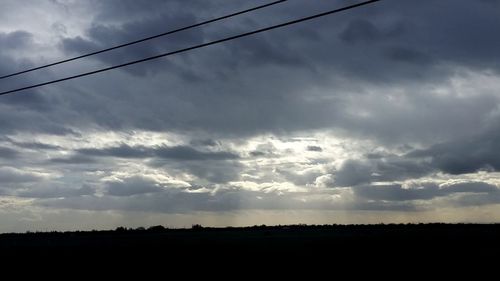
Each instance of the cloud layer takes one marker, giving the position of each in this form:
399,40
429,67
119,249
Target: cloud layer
390,107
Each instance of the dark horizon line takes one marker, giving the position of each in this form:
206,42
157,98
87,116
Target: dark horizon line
195,227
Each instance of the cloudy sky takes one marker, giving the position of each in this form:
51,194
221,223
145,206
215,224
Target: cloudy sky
386,113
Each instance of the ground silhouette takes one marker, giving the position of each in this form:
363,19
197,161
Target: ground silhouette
290,240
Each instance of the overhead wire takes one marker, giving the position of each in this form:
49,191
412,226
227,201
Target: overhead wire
145,39
183,50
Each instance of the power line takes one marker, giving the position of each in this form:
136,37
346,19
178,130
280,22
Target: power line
145,39
194,47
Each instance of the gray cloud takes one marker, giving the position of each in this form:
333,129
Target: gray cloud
182,201
8,153
41,191
466,155
210,166
356,172
18,41
36,145
387,197
162,152
314,148
362,31
402,33
118,10
14,40
132,186
123,151
213,171
396,192
404,53
189,153
103,36
404,89
74,159
10,175
299,179
422,192
352,173
407,55
204,142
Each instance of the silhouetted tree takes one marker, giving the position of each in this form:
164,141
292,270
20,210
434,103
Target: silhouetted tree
121,229
196,226
156,228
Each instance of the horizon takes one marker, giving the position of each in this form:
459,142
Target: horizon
198,227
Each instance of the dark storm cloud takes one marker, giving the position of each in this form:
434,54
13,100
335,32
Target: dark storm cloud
257,153
371,205
479,199
314,148
14,120
421,192
377,198
408,55
39,191
211,166
10,42
396,192
102,36
204,142
212,169
466,155
119,10
10,175
31,110
356,172
264,150
36,145
362,31
416,32
168,201
122,151
8,153
261,84
17,41
73,159
265,50
180,201
140,194
473,187
14,40
31,145
353,172
407,40
180,152
27,100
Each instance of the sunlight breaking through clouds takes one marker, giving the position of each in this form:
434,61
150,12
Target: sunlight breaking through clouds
304,124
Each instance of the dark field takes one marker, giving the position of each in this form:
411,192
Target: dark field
362,241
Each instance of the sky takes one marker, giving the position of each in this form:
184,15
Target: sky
388,113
